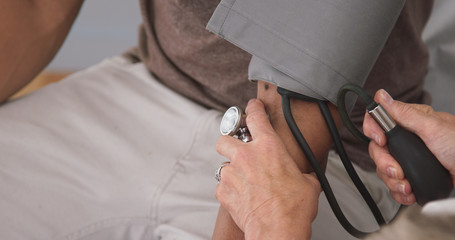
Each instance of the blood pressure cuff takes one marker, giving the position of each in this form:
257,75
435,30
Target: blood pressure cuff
311,47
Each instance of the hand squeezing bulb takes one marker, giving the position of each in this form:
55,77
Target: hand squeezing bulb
428,178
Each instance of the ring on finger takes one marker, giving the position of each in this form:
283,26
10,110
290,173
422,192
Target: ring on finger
218,171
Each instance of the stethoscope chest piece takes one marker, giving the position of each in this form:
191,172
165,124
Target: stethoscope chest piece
233,124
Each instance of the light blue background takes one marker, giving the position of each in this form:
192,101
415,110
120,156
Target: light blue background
103,28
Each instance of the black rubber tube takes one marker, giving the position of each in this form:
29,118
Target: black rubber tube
317,169
366,98
348,165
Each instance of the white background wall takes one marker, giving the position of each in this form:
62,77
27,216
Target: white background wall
103,28
440,38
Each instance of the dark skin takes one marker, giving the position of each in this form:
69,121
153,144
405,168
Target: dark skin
34,31
313,128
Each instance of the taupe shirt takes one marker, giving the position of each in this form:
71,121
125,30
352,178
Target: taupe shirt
176,48
183,55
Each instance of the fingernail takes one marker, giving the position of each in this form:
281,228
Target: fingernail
376,138
386,97
391,172
251,100
401,188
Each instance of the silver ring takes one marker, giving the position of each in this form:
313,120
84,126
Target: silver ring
218,171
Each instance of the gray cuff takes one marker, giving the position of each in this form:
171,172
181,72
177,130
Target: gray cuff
260,70
316,45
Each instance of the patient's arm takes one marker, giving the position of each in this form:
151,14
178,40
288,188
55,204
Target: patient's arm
314,129
309,119
225,228
32,32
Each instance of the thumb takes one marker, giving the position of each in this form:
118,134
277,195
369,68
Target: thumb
413,117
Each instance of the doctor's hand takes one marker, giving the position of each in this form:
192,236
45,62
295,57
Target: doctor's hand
436,129
262,188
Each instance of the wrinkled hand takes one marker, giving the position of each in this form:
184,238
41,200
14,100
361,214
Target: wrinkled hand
436,129
262,188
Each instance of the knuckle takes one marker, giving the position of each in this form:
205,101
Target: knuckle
373,152
427,109
427,131
253,105
241,154
405,110
252,117
271,143
411,110
391,184
221,144
218,146
400,173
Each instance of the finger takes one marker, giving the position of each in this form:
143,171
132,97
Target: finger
223,194
403,199
229,187
225,176
413,117
227,146
372,130
257,120
395,185
385,163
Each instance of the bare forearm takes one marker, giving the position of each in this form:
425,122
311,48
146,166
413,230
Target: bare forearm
309,120
225,228
32,32
268,228
281,227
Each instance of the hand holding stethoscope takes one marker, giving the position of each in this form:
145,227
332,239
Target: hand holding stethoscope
256,183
